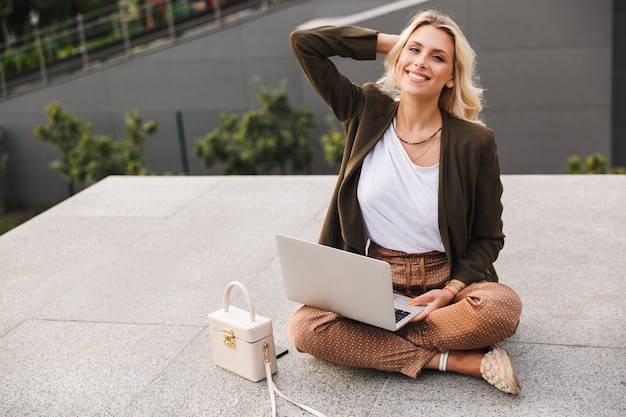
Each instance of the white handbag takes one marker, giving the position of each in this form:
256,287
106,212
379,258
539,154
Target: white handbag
243,343
241,340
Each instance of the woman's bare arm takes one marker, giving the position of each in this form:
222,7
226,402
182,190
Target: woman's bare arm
385,42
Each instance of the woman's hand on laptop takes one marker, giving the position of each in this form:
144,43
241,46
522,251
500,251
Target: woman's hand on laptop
433,300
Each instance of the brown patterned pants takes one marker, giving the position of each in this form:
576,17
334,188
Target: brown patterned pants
482,314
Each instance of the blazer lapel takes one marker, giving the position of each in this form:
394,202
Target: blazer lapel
443,180
372,131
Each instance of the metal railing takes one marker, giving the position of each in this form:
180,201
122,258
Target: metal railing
110,33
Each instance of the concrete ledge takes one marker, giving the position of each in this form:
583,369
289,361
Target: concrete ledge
104,298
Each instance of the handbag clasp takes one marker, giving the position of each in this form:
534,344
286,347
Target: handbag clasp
228,338
266,351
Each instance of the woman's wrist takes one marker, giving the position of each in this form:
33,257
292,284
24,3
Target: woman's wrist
456,284
449,290
385,42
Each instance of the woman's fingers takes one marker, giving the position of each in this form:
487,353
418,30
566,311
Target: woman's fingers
433,300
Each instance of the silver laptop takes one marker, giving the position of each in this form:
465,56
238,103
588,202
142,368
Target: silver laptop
351,285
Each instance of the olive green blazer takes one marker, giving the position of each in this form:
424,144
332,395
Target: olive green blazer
470,210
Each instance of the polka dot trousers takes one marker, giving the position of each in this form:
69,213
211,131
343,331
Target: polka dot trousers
482,314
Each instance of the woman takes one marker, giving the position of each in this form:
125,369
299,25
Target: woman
419,187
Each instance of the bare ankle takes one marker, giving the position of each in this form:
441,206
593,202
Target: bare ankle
465,362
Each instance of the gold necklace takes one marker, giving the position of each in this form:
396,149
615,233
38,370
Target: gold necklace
423,153
415,143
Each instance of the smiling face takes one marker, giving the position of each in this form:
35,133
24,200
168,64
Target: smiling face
426,63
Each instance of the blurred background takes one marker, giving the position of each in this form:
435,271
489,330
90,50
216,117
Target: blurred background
552,71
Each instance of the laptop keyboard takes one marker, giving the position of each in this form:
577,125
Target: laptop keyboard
400,314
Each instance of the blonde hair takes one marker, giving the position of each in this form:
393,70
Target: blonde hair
464,99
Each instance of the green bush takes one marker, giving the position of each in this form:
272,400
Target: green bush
65,52
333,143
29,61
9,63
595,163
273,137
88,158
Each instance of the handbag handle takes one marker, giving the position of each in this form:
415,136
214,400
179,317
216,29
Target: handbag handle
245,292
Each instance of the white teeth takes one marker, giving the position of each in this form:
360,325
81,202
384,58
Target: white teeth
417,77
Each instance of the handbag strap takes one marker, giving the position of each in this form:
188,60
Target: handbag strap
245,292
272,389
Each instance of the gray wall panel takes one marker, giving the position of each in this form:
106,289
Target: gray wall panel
561,77
540,141
189,85
87,94
512,24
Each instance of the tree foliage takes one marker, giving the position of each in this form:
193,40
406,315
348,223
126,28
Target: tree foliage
58,11
6,8
273,137
50,12
87,157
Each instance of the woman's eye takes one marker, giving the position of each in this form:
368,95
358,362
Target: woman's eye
415,50
438,58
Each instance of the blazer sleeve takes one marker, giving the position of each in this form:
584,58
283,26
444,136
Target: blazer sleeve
313,48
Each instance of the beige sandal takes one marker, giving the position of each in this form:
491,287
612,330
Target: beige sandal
497,369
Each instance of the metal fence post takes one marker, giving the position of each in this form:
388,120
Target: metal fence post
11,41
182,142
42,62
123,4
217,12
83,42
170,20
33,17
48,46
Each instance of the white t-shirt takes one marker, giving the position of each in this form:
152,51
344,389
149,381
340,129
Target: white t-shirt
398,199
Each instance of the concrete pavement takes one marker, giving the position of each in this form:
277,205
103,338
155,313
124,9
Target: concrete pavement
104,301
